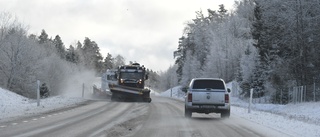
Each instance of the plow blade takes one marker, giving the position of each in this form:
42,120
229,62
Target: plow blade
124,93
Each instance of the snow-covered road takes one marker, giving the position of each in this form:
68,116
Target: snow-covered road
285,120
162,117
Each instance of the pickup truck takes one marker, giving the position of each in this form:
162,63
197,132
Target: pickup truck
207,95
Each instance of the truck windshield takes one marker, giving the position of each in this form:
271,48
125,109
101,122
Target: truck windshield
204,84
131,75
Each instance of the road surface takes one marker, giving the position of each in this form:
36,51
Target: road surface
163,117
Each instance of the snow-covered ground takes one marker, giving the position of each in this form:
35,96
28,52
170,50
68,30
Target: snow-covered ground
301,119
13,105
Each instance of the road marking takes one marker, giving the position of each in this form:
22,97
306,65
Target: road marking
34,119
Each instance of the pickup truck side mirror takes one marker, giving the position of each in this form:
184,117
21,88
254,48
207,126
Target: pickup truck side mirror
228,89
184,89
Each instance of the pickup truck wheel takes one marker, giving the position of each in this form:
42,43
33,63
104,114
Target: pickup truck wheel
187,113
225,114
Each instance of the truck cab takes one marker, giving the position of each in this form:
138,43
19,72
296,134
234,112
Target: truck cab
130,84
132,75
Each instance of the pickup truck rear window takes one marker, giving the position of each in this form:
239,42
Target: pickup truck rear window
204,84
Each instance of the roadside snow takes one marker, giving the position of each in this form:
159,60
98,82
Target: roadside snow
13,105
294,119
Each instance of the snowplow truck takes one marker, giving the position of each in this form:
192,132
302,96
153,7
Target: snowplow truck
130,84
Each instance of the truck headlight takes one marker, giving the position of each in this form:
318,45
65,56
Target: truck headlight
140,81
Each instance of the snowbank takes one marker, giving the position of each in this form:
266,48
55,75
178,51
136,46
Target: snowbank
13,105
307,112
174,92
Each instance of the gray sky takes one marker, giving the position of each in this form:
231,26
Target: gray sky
146,31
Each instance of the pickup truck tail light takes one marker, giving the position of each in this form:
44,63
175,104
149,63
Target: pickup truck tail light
226,98
190,97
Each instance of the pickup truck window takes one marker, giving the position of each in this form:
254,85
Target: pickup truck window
204,84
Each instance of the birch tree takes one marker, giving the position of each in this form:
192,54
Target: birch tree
18,63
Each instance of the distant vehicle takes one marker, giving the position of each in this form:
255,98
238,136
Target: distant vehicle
207,95
130,84
106,78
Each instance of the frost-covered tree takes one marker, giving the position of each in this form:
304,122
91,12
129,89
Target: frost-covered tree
191,69
108,62
118,61
91,56
270,45
167,79
215,42
71,55
59,46
18,57
24,59
185,43
200,37
284,35
153,80
43,38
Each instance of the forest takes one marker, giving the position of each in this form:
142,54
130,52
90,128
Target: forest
26,58
269,46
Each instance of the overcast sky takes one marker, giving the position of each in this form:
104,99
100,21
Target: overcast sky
146,31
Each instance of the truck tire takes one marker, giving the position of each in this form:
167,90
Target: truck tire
114,97
187,113
225,114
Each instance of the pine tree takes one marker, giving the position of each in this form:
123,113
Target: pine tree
71,55
118,61
262,44
222,13
43,38
59,46
92,55
108,62
179,54
185,44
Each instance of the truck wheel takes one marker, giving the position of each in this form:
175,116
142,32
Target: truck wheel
225,114
147,100
187,113
114,97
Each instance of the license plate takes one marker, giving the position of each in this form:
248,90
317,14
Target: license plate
207,106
